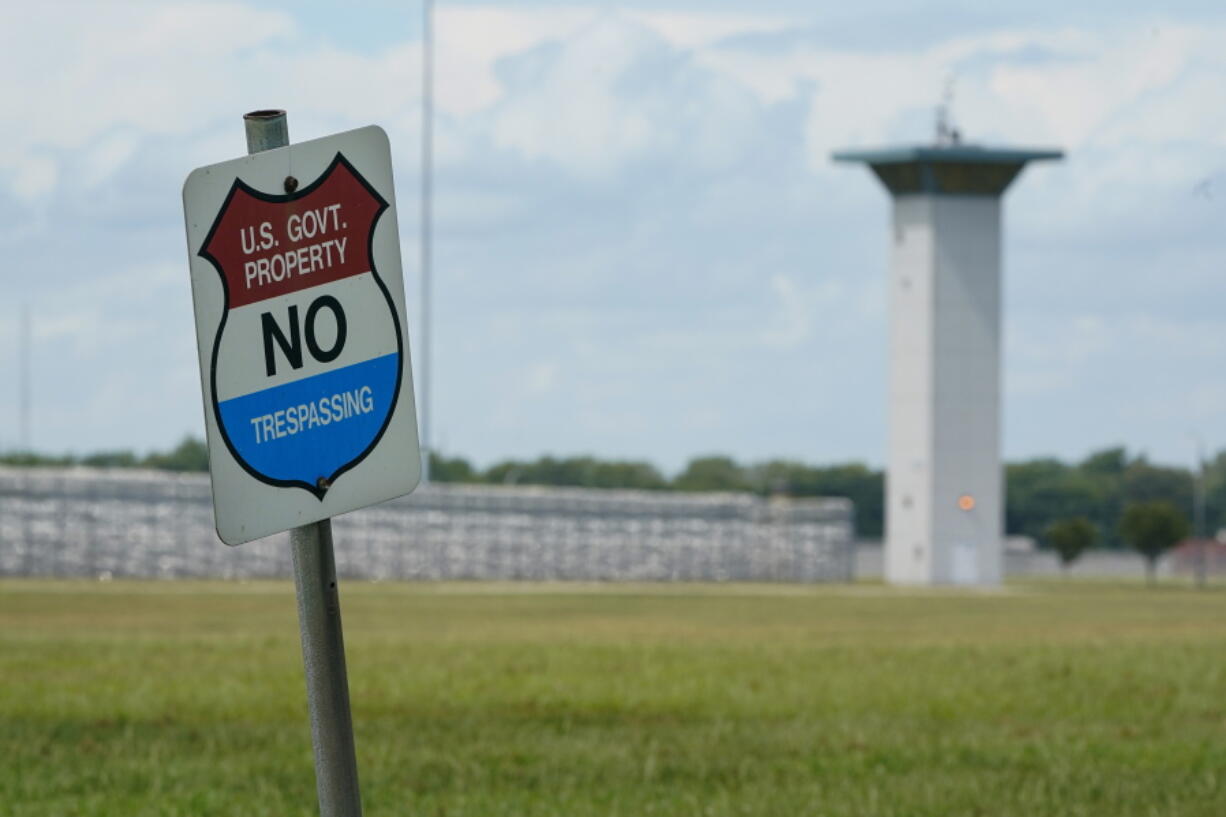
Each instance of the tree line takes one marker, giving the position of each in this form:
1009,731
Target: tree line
1040,492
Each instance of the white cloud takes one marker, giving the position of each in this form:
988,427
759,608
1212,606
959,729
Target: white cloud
110,309
471,39
1049,357
618,93
797,307
1111,88
643,196
794,316
1102,95
587,99
107,155
540,377
698,29
35,177
117,64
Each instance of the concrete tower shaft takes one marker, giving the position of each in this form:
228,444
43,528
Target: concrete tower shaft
945,489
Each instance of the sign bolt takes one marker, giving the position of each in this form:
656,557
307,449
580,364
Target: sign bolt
291,184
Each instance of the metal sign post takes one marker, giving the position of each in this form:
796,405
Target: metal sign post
302,335
323,656
319,608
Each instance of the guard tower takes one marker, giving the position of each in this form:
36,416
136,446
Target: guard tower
944,495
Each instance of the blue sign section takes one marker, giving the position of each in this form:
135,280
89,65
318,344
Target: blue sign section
311,428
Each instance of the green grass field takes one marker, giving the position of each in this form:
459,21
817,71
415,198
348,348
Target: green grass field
1047,699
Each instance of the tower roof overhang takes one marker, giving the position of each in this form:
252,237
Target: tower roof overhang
947,169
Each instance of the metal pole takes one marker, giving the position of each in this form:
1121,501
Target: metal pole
319,608
266,130
1198,513
323,655
23,390
427,191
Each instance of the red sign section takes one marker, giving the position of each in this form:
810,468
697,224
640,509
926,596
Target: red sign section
265,245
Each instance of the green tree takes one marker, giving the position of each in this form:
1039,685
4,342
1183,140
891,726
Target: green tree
641,476
713,474
575,471
31,459
864,486
450,469
190,454
1152,528
1215,493
110,459
584,472
1043,491
503,473
1103,472
1145,482
1110,462
1070,538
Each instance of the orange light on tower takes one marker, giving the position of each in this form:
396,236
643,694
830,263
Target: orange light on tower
966,502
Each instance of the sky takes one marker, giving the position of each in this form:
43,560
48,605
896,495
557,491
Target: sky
642,248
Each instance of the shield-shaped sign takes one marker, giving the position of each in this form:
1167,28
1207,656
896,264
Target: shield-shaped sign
303,345
317,393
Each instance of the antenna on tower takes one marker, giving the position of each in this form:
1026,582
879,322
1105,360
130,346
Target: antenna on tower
947,134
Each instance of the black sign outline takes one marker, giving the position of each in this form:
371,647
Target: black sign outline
324,481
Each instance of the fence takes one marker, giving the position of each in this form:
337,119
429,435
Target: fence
142,524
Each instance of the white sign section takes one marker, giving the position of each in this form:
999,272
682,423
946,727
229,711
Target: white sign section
300,318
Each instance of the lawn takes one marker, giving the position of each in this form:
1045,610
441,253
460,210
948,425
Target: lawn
186,698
